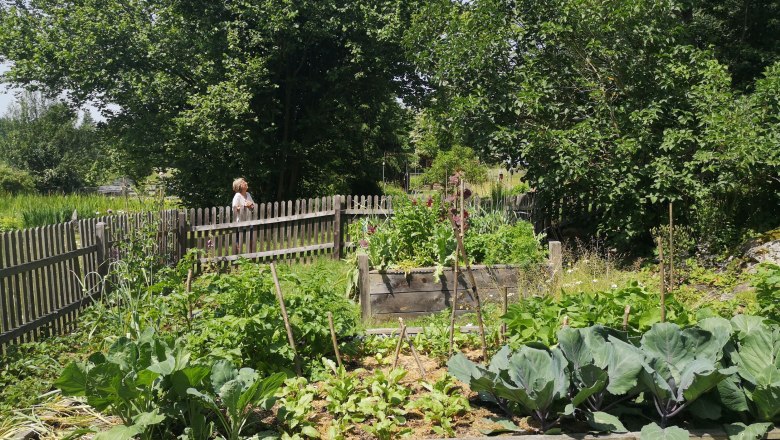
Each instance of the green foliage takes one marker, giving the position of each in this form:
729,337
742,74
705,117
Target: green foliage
238,392
756,355
45,140
288,95
295,409
537,318
14,181
608,137
441,405
529,381
142,382
458,158
494,239
33,210
767,284
240,317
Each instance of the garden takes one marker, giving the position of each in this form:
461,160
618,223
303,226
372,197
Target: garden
282,351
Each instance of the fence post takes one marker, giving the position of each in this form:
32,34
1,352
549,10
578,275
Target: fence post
338,206
365,287
556,258
102,249
181,235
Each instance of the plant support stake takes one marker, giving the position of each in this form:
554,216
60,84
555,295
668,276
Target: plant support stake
663,279
504,306
473,281
625,317
671,249
333,338
286,320
456,273
401,336
414,351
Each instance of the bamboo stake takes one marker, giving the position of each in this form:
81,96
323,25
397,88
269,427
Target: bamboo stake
473,281
286,320
504,307
626,312
414,351
456,274
188,289
401,337
333,338
663,278
188,284
671,249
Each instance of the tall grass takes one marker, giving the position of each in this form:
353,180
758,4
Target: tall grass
32,210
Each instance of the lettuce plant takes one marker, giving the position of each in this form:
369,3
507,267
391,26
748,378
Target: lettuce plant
530,380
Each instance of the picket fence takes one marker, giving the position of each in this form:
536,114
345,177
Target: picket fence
49,274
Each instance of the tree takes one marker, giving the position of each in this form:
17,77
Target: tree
297,96
44,138
614,110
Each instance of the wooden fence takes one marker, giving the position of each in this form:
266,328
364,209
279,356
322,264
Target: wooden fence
48,274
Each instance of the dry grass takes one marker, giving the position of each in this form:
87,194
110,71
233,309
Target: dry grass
55,418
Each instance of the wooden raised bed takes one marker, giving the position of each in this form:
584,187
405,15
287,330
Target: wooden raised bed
393,293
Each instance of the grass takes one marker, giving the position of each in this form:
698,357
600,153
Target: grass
33,210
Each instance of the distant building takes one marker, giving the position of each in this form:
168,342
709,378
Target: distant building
119,187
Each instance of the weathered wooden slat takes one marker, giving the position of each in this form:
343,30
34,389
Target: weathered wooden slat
426,282
5,284
413,302
272,254
60,313
17,293
28,267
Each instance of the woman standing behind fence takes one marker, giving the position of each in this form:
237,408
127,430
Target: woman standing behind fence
243,205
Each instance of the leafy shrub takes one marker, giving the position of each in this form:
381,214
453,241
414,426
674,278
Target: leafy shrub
537,318
456,159
15,181
492,241
767,285
241,318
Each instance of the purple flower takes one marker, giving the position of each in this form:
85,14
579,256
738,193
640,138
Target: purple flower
371,229
466,193
429,202
364,244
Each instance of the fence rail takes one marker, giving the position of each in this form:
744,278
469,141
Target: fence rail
48,274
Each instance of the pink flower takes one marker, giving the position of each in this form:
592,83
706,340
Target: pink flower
371,229
454,179
364,244
429,202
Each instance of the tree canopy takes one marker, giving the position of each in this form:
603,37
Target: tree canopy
299,97
612,106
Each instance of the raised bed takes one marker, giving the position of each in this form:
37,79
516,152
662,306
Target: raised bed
715,434
391,294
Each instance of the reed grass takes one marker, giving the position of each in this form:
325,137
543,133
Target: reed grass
33,210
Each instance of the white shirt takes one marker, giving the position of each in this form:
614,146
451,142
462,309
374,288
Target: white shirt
238,204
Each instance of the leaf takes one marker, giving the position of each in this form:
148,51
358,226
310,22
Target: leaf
655,432
221,372
604,422
310,432
732,396
740,431
624,365
145,419
73,380
767,400
507,426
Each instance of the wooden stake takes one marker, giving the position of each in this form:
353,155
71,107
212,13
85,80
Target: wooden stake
671,249
414,351
565,322
474,292
286,320
504,306
333,338
626,312
188,284
456,274
663,278
401,337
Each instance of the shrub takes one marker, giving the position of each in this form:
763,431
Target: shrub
15,181
458,158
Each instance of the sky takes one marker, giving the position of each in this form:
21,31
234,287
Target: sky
7,97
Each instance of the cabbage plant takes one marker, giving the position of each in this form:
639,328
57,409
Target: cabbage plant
530,381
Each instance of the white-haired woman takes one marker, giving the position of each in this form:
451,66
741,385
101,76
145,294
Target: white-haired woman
242,205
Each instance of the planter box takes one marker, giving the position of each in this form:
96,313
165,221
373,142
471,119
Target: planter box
392,294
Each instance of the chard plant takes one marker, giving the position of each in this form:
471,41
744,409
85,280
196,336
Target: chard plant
295,407
441,404
530,381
